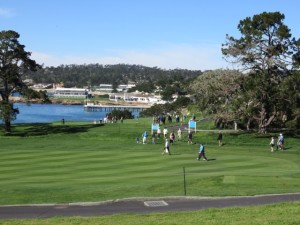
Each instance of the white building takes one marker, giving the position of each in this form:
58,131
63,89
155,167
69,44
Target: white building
137,98
104,87
109,87
70,92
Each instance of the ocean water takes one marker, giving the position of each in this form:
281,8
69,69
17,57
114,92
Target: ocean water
41,113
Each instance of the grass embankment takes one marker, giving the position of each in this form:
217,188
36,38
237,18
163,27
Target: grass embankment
78,162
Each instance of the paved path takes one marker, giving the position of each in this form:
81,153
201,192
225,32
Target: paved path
138,206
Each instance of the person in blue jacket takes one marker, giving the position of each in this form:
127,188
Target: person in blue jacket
145,135
201,153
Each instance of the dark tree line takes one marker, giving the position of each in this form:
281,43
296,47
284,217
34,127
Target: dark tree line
95,74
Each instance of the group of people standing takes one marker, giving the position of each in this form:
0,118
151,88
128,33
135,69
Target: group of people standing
161,119
279,143
170,140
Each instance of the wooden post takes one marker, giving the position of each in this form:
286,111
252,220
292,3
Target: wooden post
184,182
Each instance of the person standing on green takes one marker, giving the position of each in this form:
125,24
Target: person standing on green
220,137
201,153
167,147
272,143
179,132
190,138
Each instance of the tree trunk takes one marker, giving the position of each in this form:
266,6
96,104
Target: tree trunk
264,122
7,126
248,124
6,113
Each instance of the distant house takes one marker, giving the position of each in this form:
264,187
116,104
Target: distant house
122,88
109,87
104,88
136,98
125,87
42,86
71,92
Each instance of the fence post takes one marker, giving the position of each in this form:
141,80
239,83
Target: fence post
184,183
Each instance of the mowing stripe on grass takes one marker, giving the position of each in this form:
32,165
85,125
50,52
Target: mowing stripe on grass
74,167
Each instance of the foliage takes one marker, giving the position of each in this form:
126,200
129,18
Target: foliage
259,99
214,90
167,93
265,46
147,86
96,74
271,57
125,114
176,86
182,102
8,113
14,62
156,109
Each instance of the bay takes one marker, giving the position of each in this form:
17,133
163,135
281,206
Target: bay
47,113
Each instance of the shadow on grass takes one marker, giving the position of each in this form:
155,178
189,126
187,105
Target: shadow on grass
38,129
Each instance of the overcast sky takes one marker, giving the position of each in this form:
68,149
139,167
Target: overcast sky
168,34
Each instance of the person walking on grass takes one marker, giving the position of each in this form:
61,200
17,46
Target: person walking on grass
167,147
172,138
179,133
190,138
158,132
165,132
153,137
220,137
280,142
272,143
201,153
145,135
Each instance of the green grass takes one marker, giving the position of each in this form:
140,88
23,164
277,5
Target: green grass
275,214
52,163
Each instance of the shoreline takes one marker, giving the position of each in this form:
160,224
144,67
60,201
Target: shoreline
15,99
53,101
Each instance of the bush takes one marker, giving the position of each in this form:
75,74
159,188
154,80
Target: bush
119,114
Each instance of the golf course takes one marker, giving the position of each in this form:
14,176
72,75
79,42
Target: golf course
86,162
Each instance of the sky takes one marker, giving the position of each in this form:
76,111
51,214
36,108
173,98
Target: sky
168,34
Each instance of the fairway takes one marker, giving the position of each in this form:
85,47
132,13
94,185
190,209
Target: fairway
80,162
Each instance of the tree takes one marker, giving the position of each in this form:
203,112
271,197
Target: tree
215,89
14,62
269,54
126,114
265,46
148,87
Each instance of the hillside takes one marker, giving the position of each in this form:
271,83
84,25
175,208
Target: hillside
95,74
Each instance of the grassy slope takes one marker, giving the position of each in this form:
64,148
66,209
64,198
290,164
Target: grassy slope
83,162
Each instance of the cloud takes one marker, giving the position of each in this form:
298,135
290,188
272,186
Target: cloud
6,13
183,57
